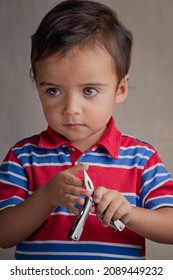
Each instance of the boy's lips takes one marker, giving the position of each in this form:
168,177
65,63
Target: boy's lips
73,125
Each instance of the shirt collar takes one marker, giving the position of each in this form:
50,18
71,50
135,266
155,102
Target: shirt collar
110,140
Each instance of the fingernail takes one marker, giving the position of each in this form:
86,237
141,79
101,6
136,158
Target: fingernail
78,163
104,225
96,200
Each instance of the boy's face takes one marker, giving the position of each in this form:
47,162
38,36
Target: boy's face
78,92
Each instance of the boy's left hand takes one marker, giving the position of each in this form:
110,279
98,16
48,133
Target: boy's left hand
112,205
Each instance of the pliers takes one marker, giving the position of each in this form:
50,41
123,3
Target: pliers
78,225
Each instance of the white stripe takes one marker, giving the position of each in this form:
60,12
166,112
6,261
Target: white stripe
134,156
88,163
10,205
153,167
42,155
130,194
150,180
12,184
25,145
99,154
114,165
15,196
162,205
134,195
161,196
47,164
137,146
14,174
157,186
61,213
122,157
82,242
12,163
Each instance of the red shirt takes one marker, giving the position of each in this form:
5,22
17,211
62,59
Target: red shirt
116,161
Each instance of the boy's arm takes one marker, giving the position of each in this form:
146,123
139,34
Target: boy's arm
156,225
20,221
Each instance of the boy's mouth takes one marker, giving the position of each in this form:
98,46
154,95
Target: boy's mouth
73,125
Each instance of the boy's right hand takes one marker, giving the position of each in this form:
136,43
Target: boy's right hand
65,188
26,217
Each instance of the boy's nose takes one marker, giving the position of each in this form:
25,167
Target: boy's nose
72,106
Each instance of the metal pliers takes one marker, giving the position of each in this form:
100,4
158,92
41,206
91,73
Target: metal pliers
78,225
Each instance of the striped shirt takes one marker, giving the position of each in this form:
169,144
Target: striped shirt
116,161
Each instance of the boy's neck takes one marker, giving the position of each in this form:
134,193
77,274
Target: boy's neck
85,144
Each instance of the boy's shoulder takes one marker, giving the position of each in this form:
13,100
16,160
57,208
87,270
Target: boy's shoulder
26,145
117,138
132,142
31,140
42,142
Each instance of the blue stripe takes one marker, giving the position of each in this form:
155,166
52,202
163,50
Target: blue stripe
139,154
132,151
133,199
29,154
13,180
32,159
150,173
129,151
102,160
160,202
12,167
62,257
10,202
13,173
156,182
28,148
67,250
61,209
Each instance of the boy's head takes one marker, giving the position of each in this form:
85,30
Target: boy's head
80,59
82,23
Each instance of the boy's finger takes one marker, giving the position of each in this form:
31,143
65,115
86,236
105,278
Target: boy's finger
98,194
77,190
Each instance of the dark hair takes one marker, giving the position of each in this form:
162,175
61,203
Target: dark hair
81,22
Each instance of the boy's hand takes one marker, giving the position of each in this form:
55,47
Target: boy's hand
112,205
65,188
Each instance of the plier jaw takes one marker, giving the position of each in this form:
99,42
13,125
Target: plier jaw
78,225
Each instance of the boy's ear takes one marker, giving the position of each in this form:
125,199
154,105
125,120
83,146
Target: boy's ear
122,90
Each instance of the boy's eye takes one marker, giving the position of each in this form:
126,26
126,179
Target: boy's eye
90,91
53,91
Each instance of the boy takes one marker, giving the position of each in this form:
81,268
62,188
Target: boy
80,60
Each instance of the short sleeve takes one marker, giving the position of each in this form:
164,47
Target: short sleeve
156,188
13,182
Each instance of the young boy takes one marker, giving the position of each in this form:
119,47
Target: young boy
80,60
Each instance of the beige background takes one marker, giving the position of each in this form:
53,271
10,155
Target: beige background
146,114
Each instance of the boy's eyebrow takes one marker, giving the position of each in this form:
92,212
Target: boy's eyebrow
43,84
95,84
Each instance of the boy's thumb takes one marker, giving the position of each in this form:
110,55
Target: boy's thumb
78,168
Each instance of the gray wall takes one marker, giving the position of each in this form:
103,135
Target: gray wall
146,114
